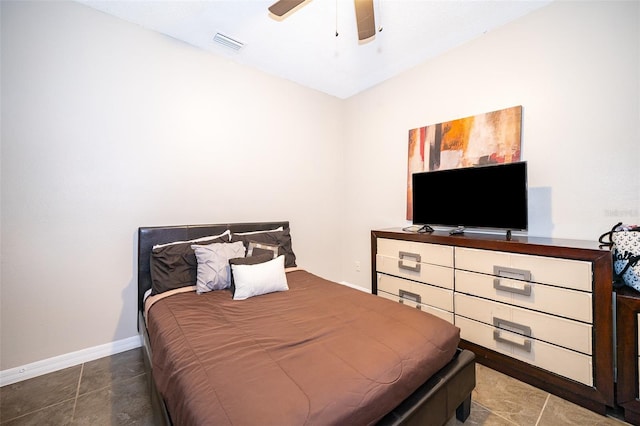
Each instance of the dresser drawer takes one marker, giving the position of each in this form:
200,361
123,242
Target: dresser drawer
559,331
434,254
558,360
417,292
571,304
575,274
440,276
447,316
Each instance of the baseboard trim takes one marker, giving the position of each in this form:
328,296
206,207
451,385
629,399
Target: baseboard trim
357,287
49,365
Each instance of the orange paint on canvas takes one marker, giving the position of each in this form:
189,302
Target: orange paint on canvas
455,134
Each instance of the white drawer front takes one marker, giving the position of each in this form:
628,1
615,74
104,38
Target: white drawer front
434,254
562,332
428,295
558,360
553,300
447,316
575,274
440,276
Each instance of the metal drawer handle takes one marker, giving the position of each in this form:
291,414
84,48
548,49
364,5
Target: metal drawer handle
512,326
506,272
404,294
526,345
415,256
410,296
525,290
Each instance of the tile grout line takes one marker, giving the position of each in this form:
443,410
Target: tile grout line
546,401
75,401
28,413
489,410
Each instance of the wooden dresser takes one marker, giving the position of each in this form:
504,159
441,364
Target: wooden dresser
628,347
537,309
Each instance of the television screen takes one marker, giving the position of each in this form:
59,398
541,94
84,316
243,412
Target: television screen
493,196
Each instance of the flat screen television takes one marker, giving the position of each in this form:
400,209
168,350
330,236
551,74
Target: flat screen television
492,196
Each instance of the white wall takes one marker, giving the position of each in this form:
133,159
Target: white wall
573,66
107,127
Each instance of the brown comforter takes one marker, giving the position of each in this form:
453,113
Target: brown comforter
320,353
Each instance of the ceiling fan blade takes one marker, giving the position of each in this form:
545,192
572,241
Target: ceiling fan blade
365,19
282,7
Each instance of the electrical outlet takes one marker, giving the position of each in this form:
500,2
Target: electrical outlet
357,266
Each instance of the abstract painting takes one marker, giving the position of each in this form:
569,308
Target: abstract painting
489,138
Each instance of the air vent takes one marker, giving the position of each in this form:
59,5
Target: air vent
228,42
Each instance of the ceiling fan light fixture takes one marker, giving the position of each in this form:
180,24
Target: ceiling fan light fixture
227,41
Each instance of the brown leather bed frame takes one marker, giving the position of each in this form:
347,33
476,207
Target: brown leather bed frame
434,403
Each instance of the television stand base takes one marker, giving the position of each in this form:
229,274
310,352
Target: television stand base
425,228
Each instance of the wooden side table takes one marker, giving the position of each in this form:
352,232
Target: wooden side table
628,383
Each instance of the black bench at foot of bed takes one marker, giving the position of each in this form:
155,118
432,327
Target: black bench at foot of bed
446,391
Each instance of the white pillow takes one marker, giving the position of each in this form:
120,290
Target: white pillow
262,278
213,265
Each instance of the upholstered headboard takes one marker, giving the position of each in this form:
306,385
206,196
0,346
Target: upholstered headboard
150,236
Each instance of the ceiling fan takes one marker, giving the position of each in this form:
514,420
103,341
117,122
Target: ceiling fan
364,14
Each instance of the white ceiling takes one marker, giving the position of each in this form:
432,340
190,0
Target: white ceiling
304,48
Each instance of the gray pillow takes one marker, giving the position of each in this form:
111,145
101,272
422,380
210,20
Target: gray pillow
213,271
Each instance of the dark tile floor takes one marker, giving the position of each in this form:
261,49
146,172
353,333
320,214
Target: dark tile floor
500,400
107,391
113,391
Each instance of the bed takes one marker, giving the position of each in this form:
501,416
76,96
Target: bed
311,352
